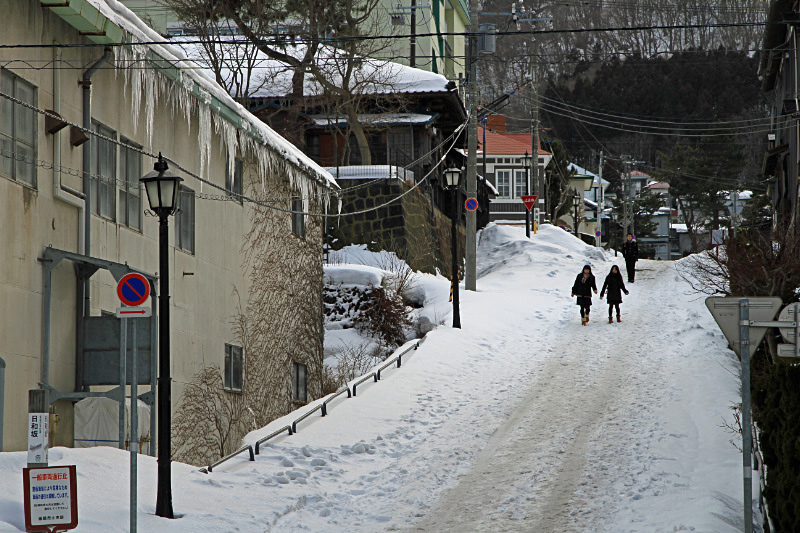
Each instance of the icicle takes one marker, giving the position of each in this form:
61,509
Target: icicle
204,137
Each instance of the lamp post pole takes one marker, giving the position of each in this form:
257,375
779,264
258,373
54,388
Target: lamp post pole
576,203
453,179
164,491
526,162
162,193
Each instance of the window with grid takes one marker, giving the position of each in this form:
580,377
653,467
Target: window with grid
503,178
298,218
104,172
17,130
184,220
130,203
233,368
520,183
299,383
233,184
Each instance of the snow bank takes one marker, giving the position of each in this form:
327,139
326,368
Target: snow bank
354,275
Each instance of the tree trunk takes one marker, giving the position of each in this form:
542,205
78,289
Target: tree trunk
361,137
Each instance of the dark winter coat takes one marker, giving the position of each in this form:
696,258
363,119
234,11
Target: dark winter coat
583,290
630,250
615,287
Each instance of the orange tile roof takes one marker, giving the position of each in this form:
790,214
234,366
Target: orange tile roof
507,143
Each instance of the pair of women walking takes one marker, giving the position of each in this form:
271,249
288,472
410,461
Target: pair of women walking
585,284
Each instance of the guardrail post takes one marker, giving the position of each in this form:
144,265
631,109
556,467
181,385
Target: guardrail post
252,456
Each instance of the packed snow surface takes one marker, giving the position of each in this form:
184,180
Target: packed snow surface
520,421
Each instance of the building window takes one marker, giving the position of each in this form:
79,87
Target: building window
298,218
233,184
520,183
184,220
17,130
299,383
130,204
503,183
233,368
104,172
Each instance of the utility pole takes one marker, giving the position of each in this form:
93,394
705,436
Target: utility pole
470,278
535,134
600,202
626,196
412,61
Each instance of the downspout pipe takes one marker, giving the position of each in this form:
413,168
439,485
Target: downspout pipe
2,397
86,85
62,192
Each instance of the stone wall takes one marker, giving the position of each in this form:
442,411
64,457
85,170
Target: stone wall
412,227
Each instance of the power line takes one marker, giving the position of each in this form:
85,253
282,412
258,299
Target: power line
282,40
238,196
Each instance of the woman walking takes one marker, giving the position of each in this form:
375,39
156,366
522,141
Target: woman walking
583,287
615,287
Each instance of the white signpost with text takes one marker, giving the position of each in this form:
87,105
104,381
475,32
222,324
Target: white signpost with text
51,498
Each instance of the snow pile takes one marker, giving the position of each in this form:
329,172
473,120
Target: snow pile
520,421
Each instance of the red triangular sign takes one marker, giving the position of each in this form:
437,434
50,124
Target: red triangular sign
529,201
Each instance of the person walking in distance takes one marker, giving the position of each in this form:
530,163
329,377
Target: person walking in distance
582,288
630,251
615,287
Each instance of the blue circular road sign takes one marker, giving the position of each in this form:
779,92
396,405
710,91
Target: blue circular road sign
471,204
133,289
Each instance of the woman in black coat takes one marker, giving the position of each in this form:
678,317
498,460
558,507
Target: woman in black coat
582,288
615,287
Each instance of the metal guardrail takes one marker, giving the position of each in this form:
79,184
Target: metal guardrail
314,410
329,400
211,467
272,435
292,429
373,375
398,358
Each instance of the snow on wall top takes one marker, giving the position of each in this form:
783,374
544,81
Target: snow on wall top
271,78
139,31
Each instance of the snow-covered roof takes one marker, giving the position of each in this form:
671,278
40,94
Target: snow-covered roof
490,186
370,172
190,88
382,119
583,172
271,78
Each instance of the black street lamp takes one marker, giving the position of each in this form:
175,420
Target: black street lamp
526,164
576,202
162,193
452,176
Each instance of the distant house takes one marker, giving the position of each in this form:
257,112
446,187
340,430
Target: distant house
505,160
75,220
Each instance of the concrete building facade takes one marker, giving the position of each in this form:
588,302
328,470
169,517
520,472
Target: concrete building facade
142,103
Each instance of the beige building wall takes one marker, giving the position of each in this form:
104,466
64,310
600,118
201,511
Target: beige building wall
202,284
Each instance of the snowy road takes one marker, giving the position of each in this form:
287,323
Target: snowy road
521,421
527,476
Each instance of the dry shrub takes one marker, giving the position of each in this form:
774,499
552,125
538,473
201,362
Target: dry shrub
352,361
385,316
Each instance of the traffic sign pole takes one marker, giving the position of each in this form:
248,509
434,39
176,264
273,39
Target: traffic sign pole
134,428
747,437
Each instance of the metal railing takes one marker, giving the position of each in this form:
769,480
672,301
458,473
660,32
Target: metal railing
272,435
329,400
211,467
292,429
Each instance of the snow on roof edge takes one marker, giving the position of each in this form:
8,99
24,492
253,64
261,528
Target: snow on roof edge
123,17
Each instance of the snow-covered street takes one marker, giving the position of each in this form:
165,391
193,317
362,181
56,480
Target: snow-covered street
521,421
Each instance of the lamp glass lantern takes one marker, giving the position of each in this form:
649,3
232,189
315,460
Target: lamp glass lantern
451,176
162,188
576,200
526,160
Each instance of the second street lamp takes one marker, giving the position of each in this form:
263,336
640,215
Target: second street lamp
162,193
576,202
452,177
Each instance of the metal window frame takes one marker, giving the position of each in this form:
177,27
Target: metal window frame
298,218
16,78
98,126
296,382
124,210
185,194
228,375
